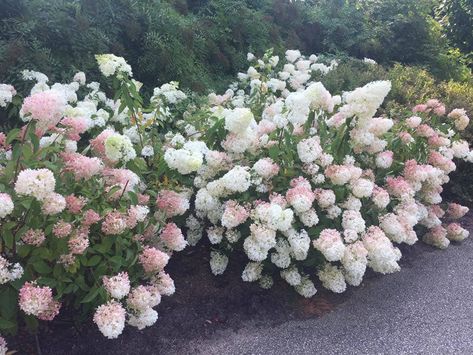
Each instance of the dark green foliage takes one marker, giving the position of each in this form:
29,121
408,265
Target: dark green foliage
456,16
204,43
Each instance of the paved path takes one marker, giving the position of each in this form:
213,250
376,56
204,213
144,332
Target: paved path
426,308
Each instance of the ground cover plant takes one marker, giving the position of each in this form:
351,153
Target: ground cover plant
98,193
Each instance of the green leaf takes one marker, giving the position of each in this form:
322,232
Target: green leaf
133,197
12,135
6,324
8,302
27,152
47,281
32,323
94,291
94,260
8,238
41,267
105,246
117,259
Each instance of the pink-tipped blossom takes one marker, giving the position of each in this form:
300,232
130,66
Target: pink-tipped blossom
75,126
62,229
80,166
172,237
38,301
6,205
153,260
110,318
75,204
172,203
90,217
47,108
34,237
234,214
117,286
114,223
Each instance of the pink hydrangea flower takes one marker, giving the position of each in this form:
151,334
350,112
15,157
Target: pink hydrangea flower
384,159
79,241
325,198
437,236
380,197
38,301
3,346
330,244
420,108
98,143
117,286
136,214
6,205
47,108
126,179
436,106
110,318
278,199
172,203
234,214
172,237
33,237
53,204
62,229
266,168
399,187
413,121
164,283
143,297
153,260
425,130
81,166
405,137
300,197
75,126
114,223
143,199
75,204
456,210
338,174
440,161
456,233
90,217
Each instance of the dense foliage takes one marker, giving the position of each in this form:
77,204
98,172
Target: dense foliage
201,43
457,18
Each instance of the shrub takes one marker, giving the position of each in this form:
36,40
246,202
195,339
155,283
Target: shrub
94,191
82,223
306,183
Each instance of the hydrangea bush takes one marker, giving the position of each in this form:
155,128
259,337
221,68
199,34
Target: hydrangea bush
97,193
83,226
311,185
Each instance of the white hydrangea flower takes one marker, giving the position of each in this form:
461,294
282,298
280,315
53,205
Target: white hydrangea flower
218,262
252,272
332,278
119,147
